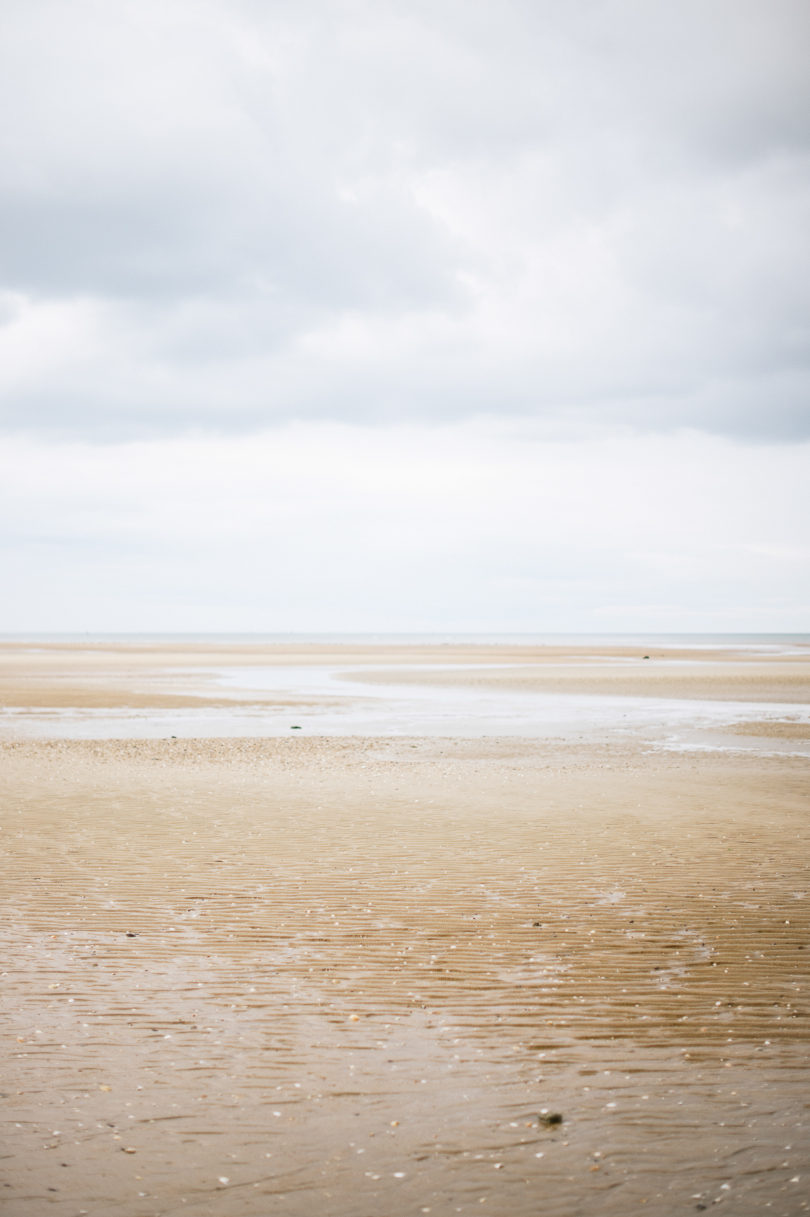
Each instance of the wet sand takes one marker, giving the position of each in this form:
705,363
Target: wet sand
356,976
110,675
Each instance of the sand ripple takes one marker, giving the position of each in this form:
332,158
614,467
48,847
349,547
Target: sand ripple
251,977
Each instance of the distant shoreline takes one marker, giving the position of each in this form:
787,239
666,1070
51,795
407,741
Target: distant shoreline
697,639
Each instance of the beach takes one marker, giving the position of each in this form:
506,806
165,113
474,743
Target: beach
552,968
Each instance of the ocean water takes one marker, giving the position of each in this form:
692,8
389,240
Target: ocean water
773,642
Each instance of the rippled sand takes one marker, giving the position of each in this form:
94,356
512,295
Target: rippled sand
356,977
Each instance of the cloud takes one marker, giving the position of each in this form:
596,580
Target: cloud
226,215
475,525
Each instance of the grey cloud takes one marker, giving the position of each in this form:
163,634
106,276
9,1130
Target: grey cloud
316,256
227,217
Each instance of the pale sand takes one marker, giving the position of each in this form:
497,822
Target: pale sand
105,675
361,970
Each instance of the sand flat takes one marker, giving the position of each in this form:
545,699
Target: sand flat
687,676
109,674
355,976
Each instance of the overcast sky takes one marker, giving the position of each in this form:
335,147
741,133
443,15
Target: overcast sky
461,315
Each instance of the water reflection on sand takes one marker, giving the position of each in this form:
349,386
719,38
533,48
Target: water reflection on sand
328,700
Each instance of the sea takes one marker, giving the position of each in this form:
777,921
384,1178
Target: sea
755,641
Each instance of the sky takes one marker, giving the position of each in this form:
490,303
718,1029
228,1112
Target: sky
395,316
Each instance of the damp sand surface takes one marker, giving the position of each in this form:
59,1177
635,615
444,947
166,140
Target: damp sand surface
116,690
110,675
365,976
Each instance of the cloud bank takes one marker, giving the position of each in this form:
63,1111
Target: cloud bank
466,526
225,215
